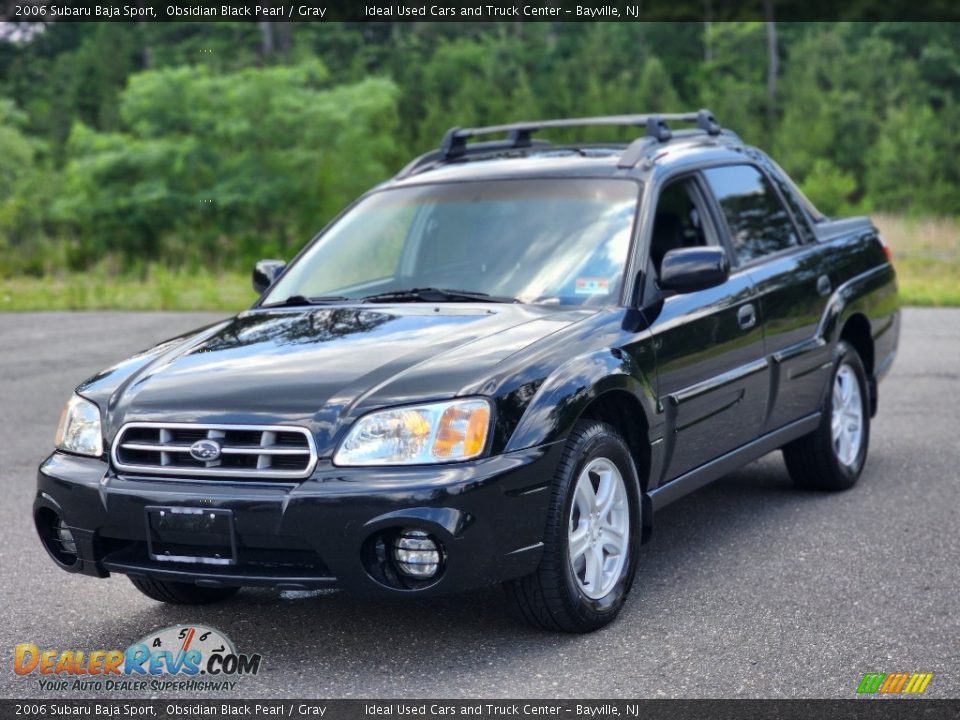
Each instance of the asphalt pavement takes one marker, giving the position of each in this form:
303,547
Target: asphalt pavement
749,588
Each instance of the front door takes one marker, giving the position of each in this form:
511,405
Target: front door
712,378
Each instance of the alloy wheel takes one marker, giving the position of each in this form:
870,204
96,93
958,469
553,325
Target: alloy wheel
599,528
846,420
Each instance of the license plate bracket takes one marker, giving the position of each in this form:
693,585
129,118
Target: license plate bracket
202,536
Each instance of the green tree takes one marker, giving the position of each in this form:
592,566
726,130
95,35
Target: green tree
911,167
733,82
212,167
836,93
830,189
25,188
656,92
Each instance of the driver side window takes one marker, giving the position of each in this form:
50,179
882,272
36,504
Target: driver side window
678,222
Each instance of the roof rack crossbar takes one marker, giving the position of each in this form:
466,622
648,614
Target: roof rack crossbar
520,135
455,140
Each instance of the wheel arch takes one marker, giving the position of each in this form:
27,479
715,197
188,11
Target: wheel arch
857,332
567,392
625,412
606,386
854,313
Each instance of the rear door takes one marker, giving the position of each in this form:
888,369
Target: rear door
778,250
711,373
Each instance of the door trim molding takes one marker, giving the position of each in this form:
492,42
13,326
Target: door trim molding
717,381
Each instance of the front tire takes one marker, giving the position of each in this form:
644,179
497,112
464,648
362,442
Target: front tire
176,593
832,456
592,538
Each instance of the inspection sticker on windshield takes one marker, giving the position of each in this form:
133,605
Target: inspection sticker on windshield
592,286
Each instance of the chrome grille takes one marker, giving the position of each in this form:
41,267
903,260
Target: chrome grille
251,451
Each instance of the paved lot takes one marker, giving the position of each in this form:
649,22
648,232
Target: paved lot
749,588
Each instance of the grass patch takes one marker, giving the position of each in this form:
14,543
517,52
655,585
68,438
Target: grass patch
926,254
160,289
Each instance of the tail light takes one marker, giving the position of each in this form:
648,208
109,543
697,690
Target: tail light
886,248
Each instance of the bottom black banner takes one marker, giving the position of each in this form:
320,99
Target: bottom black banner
872,709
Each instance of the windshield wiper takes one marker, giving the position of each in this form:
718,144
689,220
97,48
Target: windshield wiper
433,294
298,300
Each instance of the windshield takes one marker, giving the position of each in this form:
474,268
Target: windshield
561,241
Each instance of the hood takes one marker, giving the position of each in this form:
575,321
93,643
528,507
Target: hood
321,366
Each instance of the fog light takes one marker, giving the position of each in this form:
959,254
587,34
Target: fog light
68,546
417,554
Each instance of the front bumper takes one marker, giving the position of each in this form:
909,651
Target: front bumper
488,514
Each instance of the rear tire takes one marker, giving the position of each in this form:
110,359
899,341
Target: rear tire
177,593
592,537
832,456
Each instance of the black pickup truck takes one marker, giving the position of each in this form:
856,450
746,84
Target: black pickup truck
495,367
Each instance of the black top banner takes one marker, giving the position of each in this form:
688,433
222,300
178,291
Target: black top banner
476,10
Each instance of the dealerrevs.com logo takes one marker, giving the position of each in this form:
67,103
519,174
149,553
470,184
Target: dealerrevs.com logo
178,658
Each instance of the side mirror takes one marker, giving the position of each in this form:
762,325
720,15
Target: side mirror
698,268
265,272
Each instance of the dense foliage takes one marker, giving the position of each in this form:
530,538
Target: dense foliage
206,145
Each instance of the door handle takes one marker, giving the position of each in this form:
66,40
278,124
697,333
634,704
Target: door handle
747,316
823,285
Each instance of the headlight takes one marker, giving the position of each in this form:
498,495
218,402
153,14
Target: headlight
79,430
418,434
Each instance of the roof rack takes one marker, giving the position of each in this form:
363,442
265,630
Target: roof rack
454,145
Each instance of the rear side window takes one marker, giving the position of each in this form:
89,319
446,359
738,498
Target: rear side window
788,193
759,223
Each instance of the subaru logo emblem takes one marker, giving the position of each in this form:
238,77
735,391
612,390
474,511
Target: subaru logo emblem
205,450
